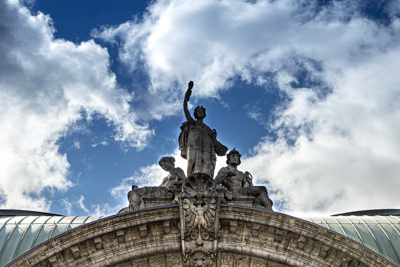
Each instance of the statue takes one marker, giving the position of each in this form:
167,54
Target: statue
197,142
240,183
175,177
157,195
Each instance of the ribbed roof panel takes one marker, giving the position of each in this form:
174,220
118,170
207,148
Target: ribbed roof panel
378,233
18,234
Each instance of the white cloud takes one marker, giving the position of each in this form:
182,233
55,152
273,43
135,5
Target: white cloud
104,143
82,205
46,85
346,154
338,136
77,145
67,205
103,210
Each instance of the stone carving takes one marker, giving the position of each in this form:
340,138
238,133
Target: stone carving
239,183
137,195
151,196
199,207
175,177
197,142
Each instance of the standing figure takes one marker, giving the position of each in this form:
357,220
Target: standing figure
197,142
175,177
240,183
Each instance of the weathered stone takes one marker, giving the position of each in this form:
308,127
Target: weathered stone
240,185
321,247
197,142
199,220
157,196
98,242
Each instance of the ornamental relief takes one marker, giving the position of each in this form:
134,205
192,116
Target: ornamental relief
199,209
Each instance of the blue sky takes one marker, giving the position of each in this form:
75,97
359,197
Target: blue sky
91,98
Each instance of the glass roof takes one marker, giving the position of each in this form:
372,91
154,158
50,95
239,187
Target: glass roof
18,234
381,234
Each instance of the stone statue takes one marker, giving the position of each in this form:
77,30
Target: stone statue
137,195
149,196
240,183
197,142
175,177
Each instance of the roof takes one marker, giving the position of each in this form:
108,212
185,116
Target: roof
371,212
18,234
25,213
381,234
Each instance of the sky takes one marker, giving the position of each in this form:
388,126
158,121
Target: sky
91,98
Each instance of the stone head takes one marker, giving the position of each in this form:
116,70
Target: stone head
167,163
233,157
199,112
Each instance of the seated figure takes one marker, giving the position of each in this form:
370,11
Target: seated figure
240,183
163,193
175,177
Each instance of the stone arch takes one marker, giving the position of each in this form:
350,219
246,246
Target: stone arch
247,237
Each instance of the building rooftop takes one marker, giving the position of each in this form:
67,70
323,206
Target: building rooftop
380,234
21,231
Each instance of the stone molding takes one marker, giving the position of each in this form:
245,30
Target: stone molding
246,237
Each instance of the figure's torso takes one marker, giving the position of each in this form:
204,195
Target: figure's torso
234,183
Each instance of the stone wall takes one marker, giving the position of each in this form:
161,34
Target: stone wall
247,237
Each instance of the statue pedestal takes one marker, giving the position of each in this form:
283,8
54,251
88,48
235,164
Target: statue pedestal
247,201
150,202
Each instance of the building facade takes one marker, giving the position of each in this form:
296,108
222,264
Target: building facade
246,237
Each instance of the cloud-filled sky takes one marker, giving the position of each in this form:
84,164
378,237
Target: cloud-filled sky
91,98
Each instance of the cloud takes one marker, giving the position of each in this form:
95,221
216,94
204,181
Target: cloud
82,205
46,85
104,143
77,145
345,154
335,68
67,205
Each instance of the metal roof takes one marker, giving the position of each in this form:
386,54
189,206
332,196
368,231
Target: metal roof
18,234
380,212
25,213
381,234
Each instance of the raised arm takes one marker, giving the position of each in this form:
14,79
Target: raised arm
186,100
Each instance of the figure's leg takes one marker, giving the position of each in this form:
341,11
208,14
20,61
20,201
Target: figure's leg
266,200
263,193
